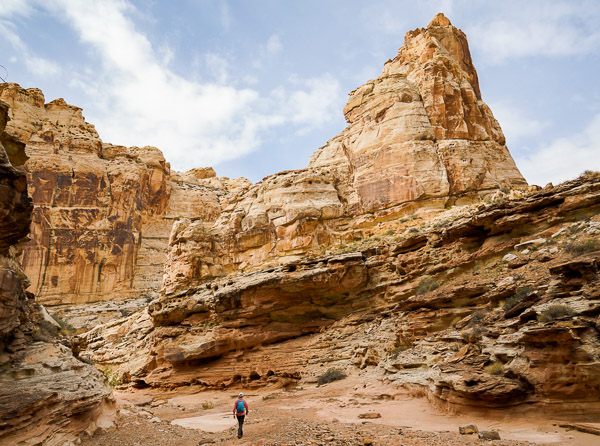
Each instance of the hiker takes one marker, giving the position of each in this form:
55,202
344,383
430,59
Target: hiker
240,410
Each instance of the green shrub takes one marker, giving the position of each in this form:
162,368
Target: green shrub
518,297
65,328
388,232
495,368
554,312
208,405
111,376
425,285
413,230
330,376
505,189
476,318
48,329
579,248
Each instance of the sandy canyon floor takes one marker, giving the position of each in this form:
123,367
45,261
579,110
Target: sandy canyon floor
333,414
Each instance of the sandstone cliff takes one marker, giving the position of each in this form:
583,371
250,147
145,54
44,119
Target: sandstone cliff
46,395
483,306
103,213
357,262
419,138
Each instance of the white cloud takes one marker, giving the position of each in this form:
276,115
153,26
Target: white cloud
317,104
564,158
274,44
15,7
36,65
515,122
554,29
135,99
41,67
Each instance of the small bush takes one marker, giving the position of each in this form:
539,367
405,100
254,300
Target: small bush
388,232
519,296
111,376
208,405
554,312
413,230
425,285
48,329
505,190
330,376
476,318
579,248
495,368
65,328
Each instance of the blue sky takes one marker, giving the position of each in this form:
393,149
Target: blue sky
253,87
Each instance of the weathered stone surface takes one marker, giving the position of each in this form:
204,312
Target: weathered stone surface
47,396
419,137
103,213
458,341
421,130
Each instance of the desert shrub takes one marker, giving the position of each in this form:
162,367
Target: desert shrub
65,327
111,376
425,285
495,368
388,232
48,329
579,248
208,405
476,318
589,173
413,230
554,312
505,189
330,376
518,297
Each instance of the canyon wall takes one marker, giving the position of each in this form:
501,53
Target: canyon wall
364,262
47,396
102,213
419,137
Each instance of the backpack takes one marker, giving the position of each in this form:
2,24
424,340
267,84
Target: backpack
240,407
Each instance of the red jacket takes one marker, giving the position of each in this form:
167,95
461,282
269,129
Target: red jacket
235,408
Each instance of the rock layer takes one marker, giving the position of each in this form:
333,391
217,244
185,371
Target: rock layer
103,213
419,137
452,310
47,396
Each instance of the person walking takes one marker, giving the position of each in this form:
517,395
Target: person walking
240,410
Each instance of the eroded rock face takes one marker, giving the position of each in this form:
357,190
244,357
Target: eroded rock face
103,213
419,137
436,309
420,130
47,396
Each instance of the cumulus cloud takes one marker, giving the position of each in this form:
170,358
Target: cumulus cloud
36,65
137,100
515,122
564,158
553,29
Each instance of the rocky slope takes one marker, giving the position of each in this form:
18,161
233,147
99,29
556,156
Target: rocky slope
380,256
357,262
47,396
484,306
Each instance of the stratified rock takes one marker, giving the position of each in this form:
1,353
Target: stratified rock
103,213
47,396
419,137
420,130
